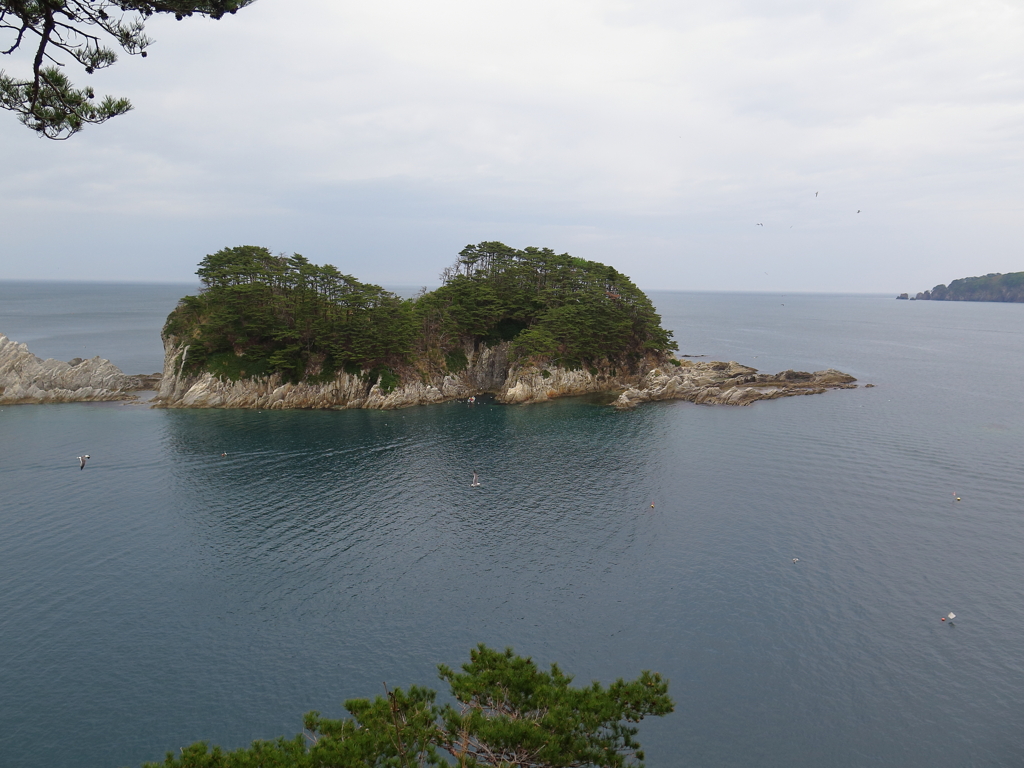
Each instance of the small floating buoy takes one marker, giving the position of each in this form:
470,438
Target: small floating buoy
652,505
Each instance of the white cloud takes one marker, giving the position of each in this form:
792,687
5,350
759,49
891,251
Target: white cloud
653,135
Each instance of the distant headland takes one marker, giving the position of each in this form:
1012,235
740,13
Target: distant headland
277,332
991,287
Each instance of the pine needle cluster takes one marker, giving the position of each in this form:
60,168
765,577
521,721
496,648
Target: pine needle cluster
506,713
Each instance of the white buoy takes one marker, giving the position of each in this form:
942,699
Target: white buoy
952,615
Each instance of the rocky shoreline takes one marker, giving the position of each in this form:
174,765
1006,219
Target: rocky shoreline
488,372
27,379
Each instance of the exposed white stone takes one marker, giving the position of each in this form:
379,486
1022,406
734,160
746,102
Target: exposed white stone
489,371
25,378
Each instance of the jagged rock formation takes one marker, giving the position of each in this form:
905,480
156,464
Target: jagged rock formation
488,371
25,378
730,383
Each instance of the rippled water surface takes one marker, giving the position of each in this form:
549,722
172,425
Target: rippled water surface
167,593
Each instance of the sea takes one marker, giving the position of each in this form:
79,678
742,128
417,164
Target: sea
214,574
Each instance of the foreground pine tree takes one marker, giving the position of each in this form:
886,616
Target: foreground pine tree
508,714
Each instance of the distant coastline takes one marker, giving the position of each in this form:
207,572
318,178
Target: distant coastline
994,286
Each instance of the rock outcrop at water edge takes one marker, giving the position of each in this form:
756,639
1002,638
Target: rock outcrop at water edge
718,383
25,378
488,371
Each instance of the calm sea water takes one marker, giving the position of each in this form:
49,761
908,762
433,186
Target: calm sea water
166,594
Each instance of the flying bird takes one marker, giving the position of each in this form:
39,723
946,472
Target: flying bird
759,224
476,481
815,194
82,460
858,210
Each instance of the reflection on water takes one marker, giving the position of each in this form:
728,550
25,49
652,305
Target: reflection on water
382,500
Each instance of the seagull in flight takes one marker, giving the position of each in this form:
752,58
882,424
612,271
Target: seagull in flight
82,460
815,194
759,224
476,481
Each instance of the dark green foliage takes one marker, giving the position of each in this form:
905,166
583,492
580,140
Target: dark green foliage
456,361
551,306
504,330
259,314
511,713
991,287
228,365
507,714
387,379
47,102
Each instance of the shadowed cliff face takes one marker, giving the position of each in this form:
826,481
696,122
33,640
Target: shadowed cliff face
488,372
25,378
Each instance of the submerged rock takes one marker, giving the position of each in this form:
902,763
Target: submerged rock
25,378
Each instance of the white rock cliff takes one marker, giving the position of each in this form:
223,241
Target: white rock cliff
489,371
25,378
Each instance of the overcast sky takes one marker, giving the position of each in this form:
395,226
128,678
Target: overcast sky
653,135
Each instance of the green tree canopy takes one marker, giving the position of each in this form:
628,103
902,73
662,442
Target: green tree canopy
86,31
259,314
553,306
508,713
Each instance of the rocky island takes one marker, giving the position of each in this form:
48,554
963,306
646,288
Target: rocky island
275,332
